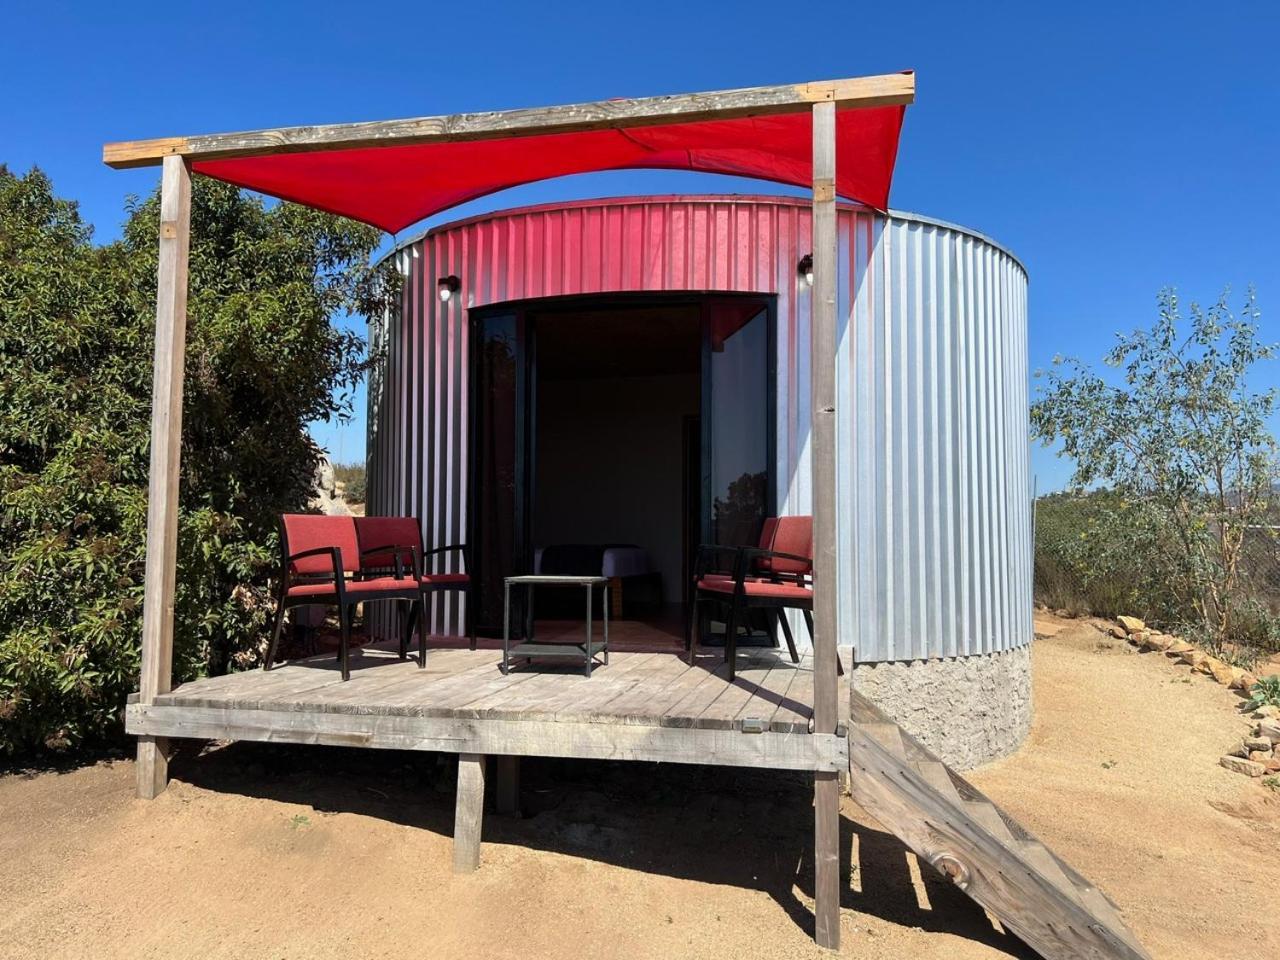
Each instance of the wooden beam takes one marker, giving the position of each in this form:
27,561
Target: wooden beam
952,826
166,446
876,91
468,813
525,738
822,453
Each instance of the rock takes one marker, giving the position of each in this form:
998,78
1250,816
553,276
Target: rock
1158,641
1261,756
1257,743
1064,613
1131,624
1273,765
1222,672
1178,647
1194,657
1250,768
1270,729
1117,632
1245,681
1267,711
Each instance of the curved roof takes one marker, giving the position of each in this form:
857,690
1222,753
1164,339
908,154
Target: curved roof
693,198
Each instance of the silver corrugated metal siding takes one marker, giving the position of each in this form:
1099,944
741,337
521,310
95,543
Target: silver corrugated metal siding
934,491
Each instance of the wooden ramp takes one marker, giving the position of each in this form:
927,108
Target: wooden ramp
971,841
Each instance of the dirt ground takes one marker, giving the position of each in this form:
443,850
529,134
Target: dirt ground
261,851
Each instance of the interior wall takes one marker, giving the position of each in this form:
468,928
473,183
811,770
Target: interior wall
609,466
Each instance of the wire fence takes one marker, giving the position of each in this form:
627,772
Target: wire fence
1097,555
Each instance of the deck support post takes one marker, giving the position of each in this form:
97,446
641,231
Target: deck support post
468,813
822,452
166,447
507,785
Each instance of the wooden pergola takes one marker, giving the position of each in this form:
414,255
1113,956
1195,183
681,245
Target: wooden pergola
177,154
947,822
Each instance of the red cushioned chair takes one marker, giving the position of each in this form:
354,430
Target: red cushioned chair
317,553
773,577
383,540
714,562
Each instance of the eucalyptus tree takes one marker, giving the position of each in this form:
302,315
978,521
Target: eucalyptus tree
1181,434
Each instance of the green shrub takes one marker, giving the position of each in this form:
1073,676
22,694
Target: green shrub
351,476
1097,554
76,337
1179,440
1265,693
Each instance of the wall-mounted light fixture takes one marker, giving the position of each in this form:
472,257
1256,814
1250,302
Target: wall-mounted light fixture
805,269
446,287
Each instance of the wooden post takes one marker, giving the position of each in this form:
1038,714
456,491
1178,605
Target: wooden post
507,785
822,453
468,812
166,447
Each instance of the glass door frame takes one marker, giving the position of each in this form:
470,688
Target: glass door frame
525,322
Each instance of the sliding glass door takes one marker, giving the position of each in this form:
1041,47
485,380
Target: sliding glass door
499,447
737,420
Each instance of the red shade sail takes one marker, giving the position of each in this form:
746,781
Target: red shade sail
394,186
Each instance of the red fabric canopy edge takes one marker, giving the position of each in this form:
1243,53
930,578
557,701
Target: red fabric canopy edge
392,187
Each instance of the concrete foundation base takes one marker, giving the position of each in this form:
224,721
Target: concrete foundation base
967,710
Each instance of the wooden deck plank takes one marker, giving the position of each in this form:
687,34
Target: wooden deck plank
796,711
643,688
447,694
642,702
684,712
639,683
573,695
722,712
771,694
662,703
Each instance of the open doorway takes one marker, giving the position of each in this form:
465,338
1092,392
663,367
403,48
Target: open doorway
615,492
611,436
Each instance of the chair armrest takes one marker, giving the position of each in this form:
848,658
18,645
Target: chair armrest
449,548
334,554
397,550
756,553
707,550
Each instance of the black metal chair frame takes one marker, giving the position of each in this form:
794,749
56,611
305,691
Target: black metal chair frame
746,560
340,598
426,588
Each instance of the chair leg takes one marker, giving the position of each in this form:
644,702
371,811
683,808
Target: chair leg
688,623
731,640
275,638
472,616
345,612
420,618
406,625
808,619
786,632
694,624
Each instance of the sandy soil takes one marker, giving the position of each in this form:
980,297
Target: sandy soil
258,851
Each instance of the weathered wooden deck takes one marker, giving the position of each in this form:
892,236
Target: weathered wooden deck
645,705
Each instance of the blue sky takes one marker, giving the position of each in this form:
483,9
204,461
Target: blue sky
1115,147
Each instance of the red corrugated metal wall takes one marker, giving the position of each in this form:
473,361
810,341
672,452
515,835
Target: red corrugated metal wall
933,473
